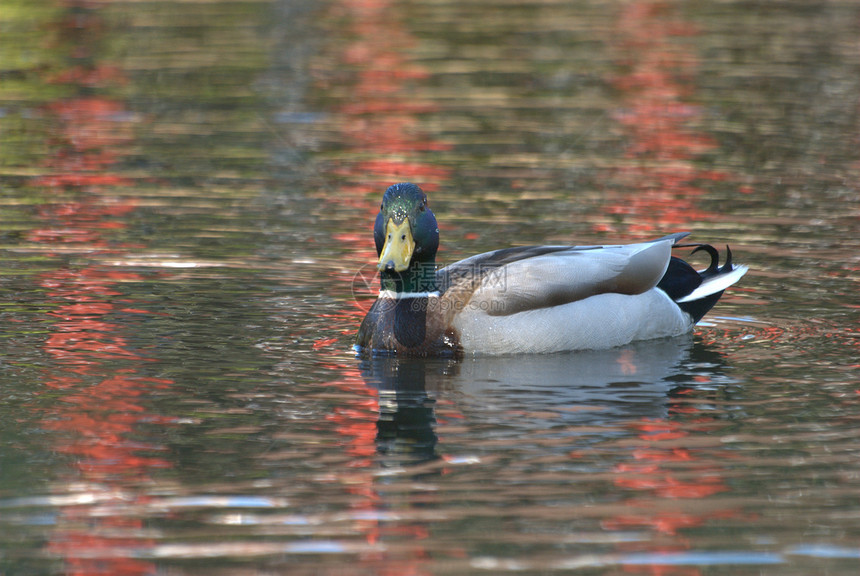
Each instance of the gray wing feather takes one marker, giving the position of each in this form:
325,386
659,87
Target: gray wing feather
507,282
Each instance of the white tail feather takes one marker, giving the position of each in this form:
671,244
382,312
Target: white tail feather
715,284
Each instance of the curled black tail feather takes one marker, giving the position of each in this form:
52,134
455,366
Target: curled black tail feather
714,267
681,279
727,267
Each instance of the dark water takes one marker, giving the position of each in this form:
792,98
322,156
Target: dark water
187,191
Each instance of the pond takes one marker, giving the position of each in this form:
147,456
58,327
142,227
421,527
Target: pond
187,193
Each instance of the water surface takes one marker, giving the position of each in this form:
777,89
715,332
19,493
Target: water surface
187,194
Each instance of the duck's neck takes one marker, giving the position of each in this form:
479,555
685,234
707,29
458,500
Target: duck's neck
420,277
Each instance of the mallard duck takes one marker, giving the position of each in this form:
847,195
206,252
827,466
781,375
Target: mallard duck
529,299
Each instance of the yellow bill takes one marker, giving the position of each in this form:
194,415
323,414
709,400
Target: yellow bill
398,247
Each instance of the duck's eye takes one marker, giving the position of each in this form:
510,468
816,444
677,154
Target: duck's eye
403,237
389,236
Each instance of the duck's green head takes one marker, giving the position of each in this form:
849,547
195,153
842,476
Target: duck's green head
405,232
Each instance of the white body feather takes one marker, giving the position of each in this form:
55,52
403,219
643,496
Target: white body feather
601,321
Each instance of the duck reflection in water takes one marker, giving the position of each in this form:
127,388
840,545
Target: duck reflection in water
407,391
522,393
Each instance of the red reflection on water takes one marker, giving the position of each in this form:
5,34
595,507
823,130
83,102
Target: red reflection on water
104,417
100,396
356,421
91,77
380,121
660,180
382,131
653,468
662,185
96,421
673,487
